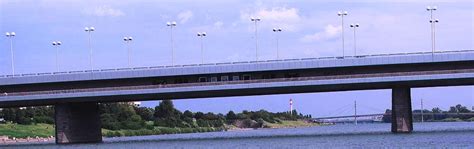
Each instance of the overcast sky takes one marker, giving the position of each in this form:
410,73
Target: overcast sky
310,29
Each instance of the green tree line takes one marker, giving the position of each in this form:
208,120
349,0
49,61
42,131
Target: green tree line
117,116
437,114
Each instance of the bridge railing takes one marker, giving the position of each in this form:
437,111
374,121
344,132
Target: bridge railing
230,63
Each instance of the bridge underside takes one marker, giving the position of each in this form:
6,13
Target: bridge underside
224,91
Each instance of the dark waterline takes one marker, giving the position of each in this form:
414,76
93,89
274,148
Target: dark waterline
450,134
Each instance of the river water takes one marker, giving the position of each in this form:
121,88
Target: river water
425,135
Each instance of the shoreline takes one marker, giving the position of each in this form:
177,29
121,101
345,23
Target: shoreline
235,134
5,140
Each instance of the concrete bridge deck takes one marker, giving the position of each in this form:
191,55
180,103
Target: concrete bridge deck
241,88
233,67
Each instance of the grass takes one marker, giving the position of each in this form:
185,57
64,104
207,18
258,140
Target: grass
471,119
283,124
452,120
24,131
46,130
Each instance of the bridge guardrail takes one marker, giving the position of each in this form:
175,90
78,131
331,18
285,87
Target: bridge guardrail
244,62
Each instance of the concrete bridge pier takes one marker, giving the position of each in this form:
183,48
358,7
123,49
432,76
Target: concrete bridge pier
77,123
402,121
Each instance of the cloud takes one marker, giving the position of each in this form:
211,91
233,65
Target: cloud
184,16
103,11
283,17
330,32
218,24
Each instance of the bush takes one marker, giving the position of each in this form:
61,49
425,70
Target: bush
44,119
471,119
149,127
166,130
129,133
451,120
157,132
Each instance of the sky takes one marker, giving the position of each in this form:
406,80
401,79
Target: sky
310,29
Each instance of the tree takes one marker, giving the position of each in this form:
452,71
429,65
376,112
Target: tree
145,113
437,110
120,116
231,115
188,118
167,116
210,116
109,122
198,115
387,117
458,109
165,109
188,114
9,114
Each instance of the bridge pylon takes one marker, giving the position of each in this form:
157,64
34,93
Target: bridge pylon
402,121
77,123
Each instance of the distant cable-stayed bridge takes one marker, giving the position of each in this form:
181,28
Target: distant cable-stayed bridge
378,117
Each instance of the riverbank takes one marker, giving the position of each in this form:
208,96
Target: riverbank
291,124
15,133
157,131
27,131
46,131
167,130
374,135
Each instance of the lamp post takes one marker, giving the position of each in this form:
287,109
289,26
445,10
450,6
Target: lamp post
342,14
202,35
56,44
355,112
354,26
431,9
433,24
171,25
10,35
277,30
127,41
255,20
89,30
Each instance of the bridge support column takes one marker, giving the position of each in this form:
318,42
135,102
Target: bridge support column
77,123
402,121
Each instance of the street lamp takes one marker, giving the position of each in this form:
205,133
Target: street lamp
89,30
127,43
256,35
354,26
56,44
277,30
10,35
202,35
342,14
171,25
433,22
431,9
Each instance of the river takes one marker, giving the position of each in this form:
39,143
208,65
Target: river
429,135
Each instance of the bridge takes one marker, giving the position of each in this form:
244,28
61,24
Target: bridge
76,94
378,116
